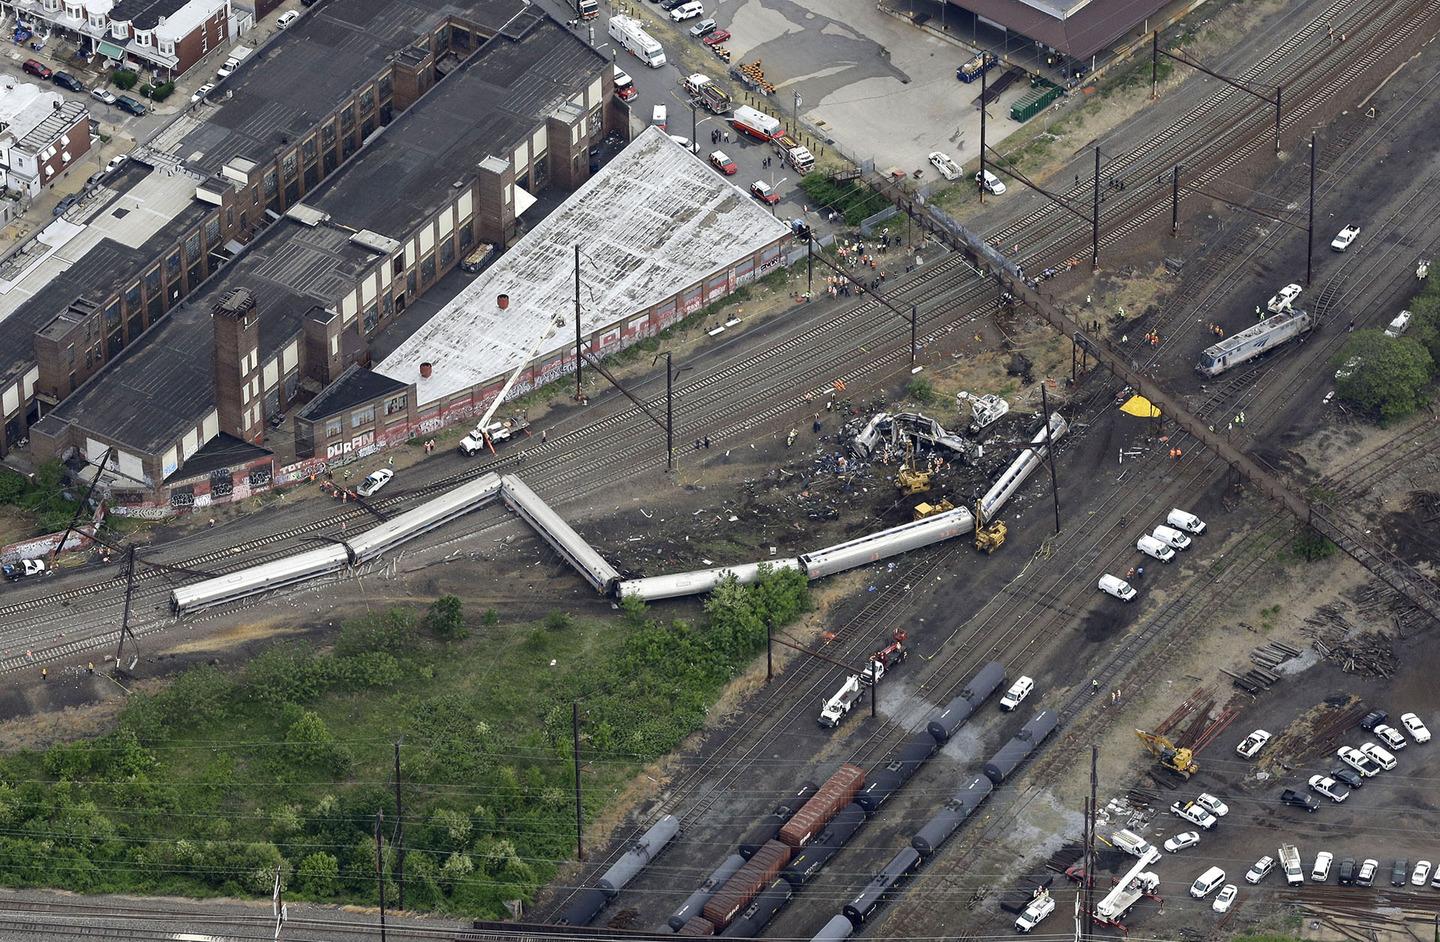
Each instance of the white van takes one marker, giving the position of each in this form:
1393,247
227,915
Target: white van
687,11
1154,549
1184,520
1114,585
659,115
1399,325
1208,882
1017,692
1171,537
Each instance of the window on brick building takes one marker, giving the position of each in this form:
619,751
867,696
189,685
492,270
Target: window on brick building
361,417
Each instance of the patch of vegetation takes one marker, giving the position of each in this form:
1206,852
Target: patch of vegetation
209,785
124,79
1268,618
158,92
43,495
1312,547
850,198
921,390
1386,377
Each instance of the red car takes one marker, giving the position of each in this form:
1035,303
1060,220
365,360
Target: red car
716,37
37,68
724,164
762,192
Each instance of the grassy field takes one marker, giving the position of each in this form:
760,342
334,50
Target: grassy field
208,786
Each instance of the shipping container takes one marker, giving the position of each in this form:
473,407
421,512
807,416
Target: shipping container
697,926
740,890
759,913
808,861
837,792
1035,101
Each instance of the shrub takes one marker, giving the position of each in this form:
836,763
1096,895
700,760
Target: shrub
319,874
1310,546
161,92
445,618
124,79
920,390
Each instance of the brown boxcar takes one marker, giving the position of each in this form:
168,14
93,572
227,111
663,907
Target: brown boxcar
835,794
750,879
698,925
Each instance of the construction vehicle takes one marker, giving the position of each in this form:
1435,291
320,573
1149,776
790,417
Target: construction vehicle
926,509
1170,756
989,535
886,658
910,479
985,411
840,704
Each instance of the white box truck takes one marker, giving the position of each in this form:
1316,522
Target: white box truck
628,32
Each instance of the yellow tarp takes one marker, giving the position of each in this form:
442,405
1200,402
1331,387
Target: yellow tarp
1140,407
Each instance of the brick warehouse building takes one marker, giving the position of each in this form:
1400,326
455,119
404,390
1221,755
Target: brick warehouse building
95,281
42,134
165,37
313,288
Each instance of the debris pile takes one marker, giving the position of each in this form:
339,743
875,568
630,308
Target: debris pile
1370,653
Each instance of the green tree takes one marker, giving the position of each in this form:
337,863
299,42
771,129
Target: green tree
1385,376
319,874
309,740
920,389
446,619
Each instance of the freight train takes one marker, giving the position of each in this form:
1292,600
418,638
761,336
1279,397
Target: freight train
785,849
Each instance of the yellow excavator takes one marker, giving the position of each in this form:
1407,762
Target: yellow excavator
910,479
1170,756
989,534
927,509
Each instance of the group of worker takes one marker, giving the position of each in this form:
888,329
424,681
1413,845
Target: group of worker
1152,337
1176,454
1216,329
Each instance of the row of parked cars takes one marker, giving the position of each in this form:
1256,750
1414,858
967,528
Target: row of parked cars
67,81
1161,543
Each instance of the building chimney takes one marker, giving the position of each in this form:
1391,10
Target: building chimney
239,398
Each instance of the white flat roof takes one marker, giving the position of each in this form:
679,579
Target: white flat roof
652,222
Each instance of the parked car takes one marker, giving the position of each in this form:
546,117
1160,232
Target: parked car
716,37
1212,804
1414,727
1260,869
1400,872
1346,238
37,68
1321,871
102,95
1379,756
763,192
1017,693
1421,875
1181,841
1284,300
992,184
287,19
130,105
1373,719
1347,871
1114,585
1365,876
203,92
374,481
67,81
1329,788
1299,800
1391,736
1358,761
64,205
1194,814
1226,898
703,28
1348,778
722,162
23,569
686,143
1251,745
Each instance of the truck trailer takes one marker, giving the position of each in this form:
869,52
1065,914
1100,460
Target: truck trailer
628,32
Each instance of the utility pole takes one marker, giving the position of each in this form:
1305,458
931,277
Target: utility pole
1090,825
1310,226
278,907
1175,201
874,688
810,267
125,615
669,409
694,125
399,835
1278,89
795,115
80,508
1155,65
575,754
984,87
1050,453
769,650
380,867
912,335
579,360
1095,219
